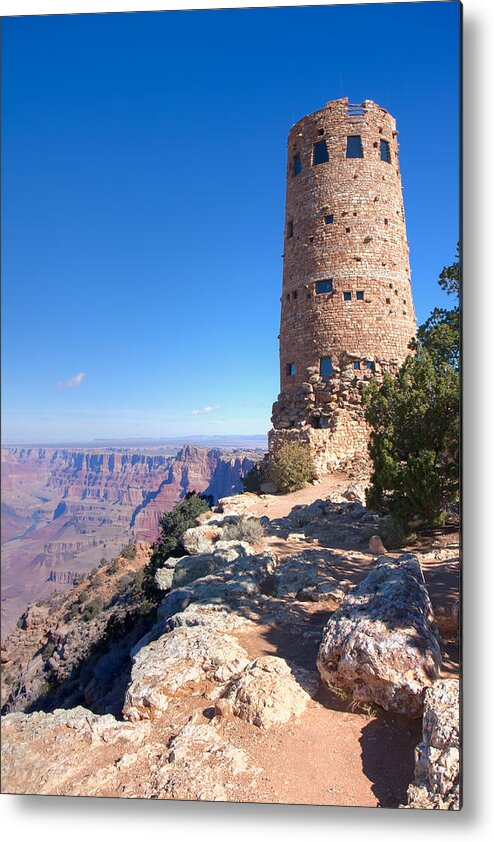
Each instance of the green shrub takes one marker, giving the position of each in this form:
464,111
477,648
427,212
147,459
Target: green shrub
292,466
138,581
414,421
92,609
83,596
128,552
173,524
47,652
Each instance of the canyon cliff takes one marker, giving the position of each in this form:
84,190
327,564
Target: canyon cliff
63,509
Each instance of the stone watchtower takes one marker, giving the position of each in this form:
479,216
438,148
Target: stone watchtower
346,310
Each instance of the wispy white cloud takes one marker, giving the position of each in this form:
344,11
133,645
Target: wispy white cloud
72,383
48,417
206,409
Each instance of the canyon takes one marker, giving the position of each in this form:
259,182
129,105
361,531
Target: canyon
66,508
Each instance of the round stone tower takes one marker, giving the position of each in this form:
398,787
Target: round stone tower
346,310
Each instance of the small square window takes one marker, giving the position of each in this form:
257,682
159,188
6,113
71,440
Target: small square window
297,165
291,369
289,230
356,365
320,154
324,286
386,221
360,295
295,295
325,367
354,146
388,301
347,296
347,230
385,151
369,365
329,219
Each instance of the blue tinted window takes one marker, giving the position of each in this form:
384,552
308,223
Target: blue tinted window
385,151
321,154
354,146
324,286
347,296
356,366
360,295
329,219
297,165
325,367
369,365
291,369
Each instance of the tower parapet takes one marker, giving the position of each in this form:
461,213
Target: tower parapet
346,308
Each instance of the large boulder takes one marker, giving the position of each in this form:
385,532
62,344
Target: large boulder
268,693
199,540
382,644
189,568
437,762
175,665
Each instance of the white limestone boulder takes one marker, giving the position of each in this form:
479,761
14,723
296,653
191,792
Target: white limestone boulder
382,644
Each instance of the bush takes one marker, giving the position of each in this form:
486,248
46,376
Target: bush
138,581
92,609
128,552
414,421
173,524
292,466
254,478
248,529
47,652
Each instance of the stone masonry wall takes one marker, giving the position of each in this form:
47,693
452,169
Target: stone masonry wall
345,224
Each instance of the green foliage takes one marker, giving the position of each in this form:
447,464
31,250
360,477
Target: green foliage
414,420
47,652
92,609
440,334
20,623
83,596
291,466
255,477
138,581
173,524
128,552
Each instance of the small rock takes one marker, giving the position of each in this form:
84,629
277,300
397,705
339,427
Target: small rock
267,693
376,545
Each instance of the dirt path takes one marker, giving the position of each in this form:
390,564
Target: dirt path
280,505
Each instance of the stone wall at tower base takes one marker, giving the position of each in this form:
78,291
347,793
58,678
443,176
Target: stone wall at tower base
343,448
328,416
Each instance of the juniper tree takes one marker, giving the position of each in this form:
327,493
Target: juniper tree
414,420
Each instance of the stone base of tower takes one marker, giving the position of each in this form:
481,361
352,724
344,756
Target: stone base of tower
329,418
342,449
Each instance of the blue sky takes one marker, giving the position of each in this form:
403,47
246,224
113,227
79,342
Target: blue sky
143,201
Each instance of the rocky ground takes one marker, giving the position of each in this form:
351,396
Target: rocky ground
240,687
